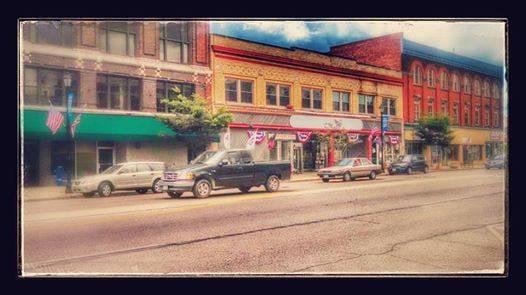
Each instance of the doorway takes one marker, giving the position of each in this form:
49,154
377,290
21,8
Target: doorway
105,155
297,158
31,160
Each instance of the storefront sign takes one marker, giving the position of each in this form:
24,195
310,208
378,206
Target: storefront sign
285,136
258,136
318,122
495,136
393,139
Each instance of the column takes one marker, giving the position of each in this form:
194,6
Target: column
331,150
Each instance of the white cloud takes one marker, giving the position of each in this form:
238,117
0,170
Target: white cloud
291,31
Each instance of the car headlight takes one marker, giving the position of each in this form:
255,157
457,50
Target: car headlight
186,175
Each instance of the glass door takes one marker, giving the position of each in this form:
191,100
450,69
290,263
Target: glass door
105,156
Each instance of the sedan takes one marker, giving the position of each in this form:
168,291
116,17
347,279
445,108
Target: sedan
349,169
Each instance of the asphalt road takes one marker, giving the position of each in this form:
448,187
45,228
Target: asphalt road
436,223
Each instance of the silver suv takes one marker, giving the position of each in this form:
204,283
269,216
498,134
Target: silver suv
139,176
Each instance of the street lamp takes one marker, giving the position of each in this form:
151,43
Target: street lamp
69,95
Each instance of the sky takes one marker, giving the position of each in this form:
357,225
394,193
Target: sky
480,40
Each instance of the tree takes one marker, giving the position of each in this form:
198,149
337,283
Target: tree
435,130
194,117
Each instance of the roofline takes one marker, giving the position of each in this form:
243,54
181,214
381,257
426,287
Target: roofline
367,39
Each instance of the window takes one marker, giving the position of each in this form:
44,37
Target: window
472,153
467,85
389,106
456,114
58,155
476,85
238,91
444,107
366,104
431,78
311,98
341,101
417,75
273,99
455,82
143,167
477,115
431,107
59,33
453,155
496,90
467,114
444,80
496,118
117,38
416,107
486,89
169,90
174,42
486,116
44,85
118,93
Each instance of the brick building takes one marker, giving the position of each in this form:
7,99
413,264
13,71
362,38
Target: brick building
119,72
439,82
290,92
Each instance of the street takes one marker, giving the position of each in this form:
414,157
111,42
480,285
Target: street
435,223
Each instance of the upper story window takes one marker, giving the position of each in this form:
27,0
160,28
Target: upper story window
467,114
118,93
42,86
389,106
239,91
486,115
444,81
496,118
341,101
456,114
311,98
278,95
486,89
476,86
444,107
59,33
167,90
366,104
431,78
455,82
417,75
467,85
477,115
416,108
431,107
496,90
118,38
174,42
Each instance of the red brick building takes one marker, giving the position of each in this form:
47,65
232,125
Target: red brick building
119,73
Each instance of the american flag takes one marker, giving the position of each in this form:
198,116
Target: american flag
54,119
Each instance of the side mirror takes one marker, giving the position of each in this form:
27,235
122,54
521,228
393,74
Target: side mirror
223,162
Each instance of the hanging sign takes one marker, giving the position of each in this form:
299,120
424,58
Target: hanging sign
353,137
285,136
385,122
259,136
393,139
304,136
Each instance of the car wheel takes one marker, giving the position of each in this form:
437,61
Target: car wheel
105,189
175,194
390,172
91,194
272,183
244,189
157,186
325,180
347,176
372,175
202,189
426,169
141,191
409,170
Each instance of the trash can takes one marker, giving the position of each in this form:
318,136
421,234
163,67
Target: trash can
59,175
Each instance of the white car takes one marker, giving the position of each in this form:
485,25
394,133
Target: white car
139,176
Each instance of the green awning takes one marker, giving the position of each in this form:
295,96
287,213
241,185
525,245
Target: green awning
99,127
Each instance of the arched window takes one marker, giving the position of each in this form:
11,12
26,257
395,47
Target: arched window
486,89
496,117
444,80
431,78
416,108
431,107
417,75
467,114
455,82
477,115
467,85
496,90
476,86
444,107
486,116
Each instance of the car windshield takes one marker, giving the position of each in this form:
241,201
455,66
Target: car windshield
343,162
112,169
207,157
404,158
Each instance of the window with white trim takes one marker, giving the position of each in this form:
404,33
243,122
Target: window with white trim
341,101
477,115
467,114
174,42
389,106
118,38
417,75
476,86
278,94
486,116
431,107
239,91
455,82
456,114
366,104
444,81
416,108
311,98
467,85
444,106
431,78
486,89
496,91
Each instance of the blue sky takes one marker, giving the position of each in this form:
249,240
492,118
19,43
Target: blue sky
479,40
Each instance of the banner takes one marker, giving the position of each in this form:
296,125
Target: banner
304,136
353,137
272,141
394,139
259,136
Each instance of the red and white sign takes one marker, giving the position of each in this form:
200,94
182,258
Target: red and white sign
258,136
394,139
353,137
304,136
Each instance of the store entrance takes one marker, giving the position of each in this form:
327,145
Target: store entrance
31,160
310,149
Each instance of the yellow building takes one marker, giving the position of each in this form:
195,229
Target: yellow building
307,107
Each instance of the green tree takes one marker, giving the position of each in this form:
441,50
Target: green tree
193,116
435,130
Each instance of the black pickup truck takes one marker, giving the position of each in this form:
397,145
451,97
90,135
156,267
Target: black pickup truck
215,170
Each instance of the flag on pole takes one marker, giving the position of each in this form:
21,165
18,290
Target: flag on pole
304,136
260,135
74,125
55,119
251,143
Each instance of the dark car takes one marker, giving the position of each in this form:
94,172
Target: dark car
408,164
215,170
498,161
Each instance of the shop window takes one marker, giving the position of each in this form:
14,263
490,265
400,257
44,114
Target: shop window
42,86
417,75
389,106
61,33
467,85
416,108
58,156
311,98
277,94
170,90
444,81
412,147
341,101
105,155
472,153
119,93
431,78
366,104
453,152
174,42
238,91
118,38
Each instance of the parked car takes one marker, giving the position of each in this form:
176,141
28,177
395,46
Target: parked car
349,169
498,161
139,176
215,170
408,164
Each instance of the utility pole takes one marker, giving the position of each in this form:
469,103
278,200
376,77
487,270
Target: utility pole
70,164
384,125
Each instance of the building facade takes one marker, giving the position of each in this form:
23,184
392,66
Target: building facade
437,82
308,107
119,72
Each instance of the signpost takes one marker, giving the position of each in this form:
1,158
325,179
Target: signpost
385,127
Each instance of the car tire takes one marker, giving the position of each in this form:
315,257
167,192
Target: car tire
409,170
325,180
426,169
347,177
390,172
202,189
87,195
372,175
157,187
272,183
105,189
244,189
175,195
141,191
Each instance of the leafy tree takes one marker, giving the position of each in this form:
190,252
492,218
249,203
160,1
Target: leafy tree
435,130
193,116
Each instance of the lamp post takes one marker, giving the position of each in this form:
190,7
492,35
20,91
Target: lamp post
69,95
